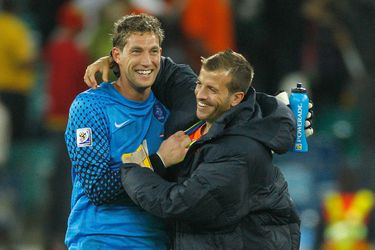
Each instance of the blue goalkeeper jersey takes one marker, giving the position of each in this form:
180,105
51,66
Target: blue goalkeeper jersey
102,126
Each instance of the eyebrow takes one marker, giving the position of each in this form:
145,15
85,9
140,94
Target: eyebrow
142,48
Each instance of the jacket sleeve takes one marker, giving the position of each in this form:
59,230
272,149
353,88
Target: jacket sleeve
199,199
278,123
287,128
90,161
174,87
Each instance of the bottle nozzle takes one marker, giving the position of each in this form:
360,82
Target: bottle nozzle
299,89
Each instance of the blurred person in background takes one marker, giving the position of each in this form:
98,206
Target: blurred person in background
65,60
207,28
99,42
325,44
185,21
6,205
340,42
17,67
169,13
4,135
17,80
348,215
44,15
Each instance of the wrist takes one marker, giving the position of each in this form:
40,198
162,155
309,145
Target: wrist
158,165
161,159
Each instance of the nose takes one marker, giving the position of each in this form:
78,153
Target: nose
146,59
200,93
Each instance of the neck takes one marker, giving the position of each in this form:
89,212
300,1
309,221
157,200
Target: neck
132,93
206,128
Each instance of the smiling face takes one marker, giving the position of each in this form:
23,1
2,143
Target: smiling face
139,63
213,96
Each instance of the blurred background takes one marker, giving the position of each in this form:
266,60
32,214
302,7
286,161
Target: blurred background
328,45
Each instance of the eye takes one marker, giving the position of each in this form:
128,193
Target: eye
136,51
212,90
198,85
154,51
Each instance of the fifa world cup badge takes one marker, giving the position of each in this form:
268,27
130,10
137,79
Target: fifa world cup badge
84,137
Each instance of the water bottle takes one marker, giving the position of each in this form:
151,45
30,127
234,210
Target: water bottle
299,102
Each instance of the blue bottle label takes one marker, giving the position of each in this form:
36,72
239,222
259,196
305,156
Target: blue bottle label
299,103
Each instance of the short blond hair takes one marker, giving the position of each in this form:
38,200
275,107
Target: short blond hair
140,23
236,64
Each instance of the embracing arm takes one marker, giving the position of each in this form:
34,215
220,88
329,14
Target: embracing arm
90,158
190,200
199,199
174,87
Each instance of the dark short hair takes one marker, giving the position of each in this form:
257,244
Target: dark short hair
236,64
133,23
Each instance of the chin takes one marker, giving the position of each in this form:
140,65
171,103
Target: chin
145,85
201,117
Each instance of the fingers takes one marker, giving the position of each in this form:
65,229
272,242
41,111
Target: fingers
179,134
186,141
183,138
174,149
105,74
310,113
89,78
100,65
309,132
307,124
309,119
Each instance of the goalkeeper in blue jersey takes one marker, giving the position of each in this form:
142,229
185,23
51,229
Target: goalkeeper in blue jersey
114,119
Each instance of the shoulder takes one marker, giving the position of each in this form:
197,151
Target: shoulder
87,111
100,95
90,102
234,147
168,67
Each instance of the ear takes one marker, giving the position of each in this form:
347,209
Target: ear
237,98
116,54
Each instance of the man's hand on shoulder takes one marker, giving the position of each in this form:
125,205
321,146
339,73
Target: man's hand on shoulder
101,65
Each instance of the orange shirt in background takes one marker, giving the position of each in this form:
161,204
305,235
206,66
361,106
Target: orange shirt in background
211,22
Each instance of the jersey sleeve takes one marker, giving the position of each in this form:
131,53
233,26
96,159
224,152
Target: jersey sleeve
174,87
88,141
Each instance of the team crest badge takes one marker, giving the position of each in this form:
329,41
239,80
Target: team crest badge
84,137
159,112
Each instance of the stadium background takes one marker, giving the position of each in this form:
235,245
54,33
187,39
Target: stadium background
325,44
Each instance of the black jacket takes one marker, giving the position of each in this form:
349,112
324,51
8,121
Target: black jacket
229,194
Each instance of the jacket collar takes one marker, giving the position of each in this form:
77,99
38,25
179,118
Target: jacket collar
239,114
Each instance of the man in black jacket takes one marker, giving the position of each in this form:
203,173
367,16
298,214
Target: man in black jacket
227,194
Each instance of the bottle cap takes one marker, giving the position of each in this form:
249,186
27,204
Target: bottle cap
299,89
